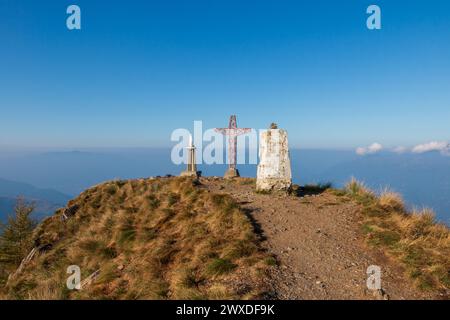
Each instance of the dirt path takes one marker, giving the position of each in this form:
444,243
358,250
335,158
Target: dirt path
318,244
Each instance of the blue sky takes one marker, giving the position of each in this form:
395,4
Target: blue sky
139,69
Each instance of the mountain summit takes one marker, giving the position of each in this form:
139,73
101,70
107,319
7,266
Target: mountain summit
211,238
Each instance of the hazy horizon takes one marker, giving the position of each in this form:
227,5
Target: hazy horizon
421,178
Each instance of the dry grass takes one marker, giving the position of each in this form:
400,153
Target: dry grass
358,189
413,239
391,201
164,238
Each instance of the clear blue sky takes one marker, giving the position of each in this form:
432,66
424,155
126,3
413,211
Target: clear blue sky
139,69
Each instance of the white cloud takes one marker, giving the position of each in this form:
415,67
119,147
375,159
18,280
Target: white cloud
373,148
442,146
439,146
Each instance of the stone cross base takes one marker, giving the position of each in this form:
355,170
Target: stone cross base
193,174
231,173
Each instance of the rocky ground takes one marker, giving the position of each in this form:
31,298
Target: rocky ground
317,241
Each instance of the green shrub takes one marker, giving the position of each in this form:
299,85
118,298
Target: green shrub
270,261
153,201
127,232
108,252
90,245
386,237
317,188
172,198
220,266
111,189
241,249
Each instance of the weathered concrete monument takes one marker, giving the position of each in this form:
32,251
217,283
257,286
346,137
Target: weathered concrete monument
274,168
232,132
191,170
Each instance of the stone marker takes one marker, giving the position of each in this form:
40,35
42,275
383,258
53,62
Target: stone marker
191,170
274,168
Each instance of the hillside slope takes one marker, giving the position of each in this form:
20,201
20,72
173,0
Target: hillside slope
173,238
162,238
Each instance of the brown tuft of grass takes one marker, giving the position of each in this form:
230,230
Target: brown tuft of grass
360,192
357,188
48,290
391,201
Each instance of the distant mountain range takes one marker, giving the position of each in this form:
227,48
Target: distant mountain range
74,171
45,200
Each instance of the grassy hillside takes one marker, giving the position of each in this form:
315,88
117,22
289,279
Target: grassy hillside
413,239
163,238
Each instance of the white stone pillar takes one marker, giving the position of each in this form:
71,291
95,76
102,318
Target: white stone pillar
274,168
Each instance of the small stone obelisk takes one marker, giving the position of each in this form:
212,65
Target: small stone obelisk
191,170
274,168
